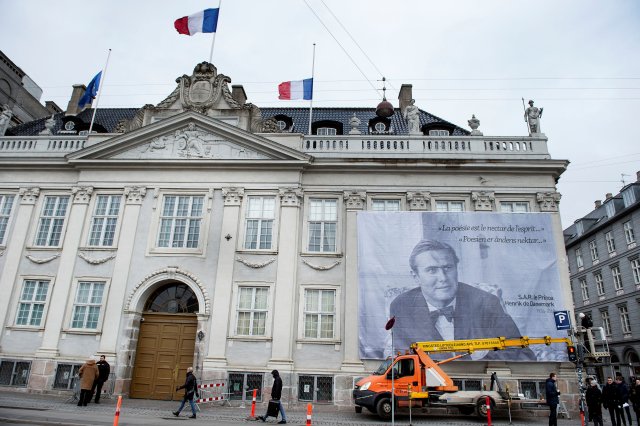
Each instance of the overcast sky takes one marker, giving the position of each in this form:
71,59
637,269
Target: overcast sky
579,60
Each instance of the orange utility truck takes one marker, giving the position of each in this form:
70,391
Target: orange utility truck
418,381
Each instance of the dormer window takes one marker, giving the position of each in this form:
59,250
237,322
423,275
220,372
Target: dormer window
284,123
610,208
628,197
326,131
580,227
380,127
281,125
438,132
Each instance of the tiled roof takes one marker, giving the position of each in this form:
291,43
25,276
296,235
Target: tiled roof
109,118
300,117
106,117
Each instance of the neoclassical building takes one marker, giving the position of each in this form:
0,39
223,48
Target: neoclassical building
207,231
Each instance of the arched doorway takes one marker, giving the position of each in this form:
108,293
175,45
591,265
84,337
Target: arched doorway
166,342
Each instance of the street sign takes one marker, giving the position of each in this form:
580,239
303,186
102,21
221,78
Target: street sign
563,320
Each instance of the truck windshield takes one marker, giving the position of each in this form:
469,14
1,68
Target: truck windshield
383,367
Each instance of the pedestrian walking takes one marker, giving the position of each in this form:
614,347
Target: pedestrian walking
552,396
611,401
623,391
594,401
189,392
276,394
104,369
88,374
634,398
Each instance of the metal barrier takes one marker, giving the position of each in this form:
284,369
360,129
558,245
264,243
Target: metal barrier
211,392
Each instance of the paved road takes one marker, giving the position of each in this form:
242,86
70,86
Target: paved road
20,409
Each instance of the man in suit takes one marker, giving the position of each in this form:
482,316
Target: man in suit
441,308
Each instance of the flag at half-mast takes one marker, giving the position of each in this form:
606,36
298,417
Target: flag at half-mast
91,91
301,89
205,21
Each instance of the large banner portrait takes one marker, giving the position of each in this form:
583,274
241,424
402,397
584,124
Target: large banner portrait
452,276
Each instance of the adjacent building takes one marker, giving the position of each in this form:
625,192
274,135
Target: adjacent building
604,260
207,231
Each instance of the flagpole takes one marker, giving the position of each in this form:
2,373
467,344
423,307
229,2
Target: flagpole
104,74
213,40
313,65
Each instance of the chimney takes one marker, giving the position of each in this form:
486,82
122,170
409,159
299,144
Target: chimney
598,203
238,94
404,96
608,196
78,91
638,176
52,107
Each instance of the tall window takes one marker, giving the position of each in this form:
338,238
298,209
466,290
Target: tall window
323,222
259,223
32,302
579,261
86,308
180,221
6,203
599,283
593,248
624,319
450,206
51,222
252,311
611,244
584,288
385,205
104,220
606,322
514,206
635,269
617,277
319,313
629,236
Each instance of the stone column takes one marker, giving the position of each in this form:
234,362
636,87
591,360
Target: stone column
483,200
64,276
284,309
354,201
222,303
116,298
15,246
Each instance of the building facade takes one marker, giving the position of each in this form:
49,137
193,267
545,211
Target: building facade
605,274
206,231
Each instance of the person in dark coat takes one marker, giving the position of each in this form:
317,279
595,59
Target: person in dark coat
276,394
594,400
623,390
634,398
553,399
189,392
88,374
611,401
104,369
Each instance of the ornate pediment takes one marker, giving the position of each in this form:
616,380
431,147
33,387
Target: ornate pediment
190,142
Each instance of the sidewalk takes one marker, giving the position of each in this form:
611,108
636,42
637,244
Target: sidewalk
23,408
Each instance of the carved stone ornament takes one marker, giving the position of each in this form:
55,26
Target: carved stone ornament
474,123
355,200
135,194
290,196
483,200
94,261
270,125
255,265
232,196
418,200
40,261
49,125
82,194
355,122
548,201
321,267
29,195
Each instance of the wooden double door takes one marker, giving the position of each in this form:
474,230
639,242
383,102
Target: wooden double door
165,349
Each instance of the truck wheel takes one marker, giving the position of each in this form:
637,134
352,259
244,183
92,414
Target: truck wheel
358,409
384,408
481,407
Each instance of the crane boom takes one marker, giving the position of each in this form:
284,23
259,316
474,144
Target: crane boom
494,344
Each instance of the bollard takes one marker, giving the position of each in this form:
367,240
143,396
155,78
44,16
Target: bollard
488,402
116,418
253,403
309,410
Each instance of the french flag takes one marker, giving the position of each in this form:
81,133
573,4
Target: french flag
302,89
201,22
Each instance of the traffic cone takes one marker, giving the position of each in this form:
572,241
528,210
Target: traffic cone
309,410
253,406
116,417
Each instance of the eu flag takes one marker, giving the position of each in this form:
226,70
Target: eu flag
91,92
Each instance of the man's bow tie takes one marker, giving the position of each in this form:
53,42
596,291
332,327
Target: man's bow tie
447,311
